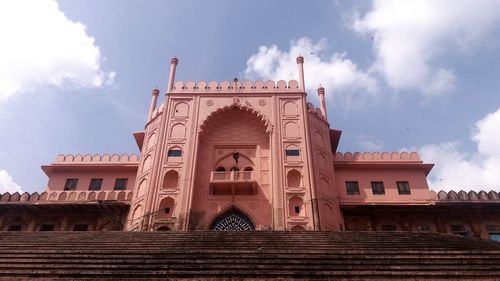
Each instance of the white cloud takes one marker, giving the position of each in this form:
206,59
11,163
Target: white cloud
41,46
369,145
337,74
7,184
409,35
469,171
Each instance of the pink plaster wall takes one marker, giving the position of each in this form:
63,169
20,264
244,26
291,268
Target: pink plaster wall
57,179
416,178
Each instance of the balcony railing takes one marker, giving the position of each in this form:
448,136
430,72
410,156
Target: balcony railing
232,176
233,183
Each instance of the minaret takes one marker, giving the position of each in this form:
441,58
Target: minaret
300,63
322,103
173,64
154,99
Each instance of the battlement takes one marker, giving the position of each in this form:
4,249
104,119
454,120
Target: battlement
471,196
316,111
97,158
58,196
236,87
378,157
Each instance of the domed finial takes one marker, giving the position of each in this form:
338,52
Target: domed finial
321,90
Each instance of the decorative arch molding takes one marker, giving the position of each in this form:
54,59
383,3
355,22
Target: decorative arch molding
224,157
237,105
181,109
232,220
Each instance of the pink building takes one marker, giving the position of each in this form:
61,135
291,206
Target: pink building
244,156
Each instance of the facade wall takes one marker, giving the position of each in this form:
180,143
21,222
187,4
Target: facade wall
57,180
256,150
389,176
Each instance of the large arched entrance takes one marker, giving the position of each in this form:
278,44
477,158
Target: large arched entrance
232,220
233,141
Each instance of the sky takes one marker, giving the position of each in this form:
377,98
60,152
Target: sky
76,75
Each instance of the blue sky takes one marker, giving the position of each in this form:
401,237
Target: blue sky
76,76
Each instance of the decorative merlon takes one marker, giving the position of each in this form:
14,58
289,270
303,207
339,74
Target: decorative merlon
469,196
97,158
377,156
236,87
58,196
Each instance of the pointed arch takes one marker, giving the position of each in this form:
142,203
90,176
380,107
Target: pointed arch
171,180
232,219
258,114
293,178
227,161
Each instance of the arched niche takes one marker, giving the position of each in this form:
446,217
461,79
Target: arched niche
232,219
170,180
166,208
290,108
423,225
296,207
13,225
181,109
178,131
388,225
146,164
318,137
293,178
297,228
151,141
47,225
229,163
137,212
142,188
292,130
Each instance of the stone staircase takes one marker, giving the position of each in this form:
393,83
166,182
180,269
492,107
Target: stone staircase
255,255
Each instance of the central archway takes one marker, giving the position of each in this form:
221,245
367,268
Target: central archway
232,220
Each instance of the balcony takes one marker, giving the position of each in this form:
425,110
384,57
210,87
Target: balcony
233,183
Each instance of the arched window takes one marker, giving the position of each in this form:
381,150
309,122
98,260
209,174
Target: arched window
296,207
166,207
220,169
174,154
293,178
163,228
248,169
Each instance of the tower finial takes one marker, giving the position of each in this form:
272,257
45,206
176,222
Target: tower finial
173,64
322,102
300,63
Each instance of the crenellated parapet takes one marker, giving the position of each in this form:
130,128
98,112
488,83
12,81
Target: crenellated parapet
236,87
378,156
66,196
316,111
471,196
97,158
